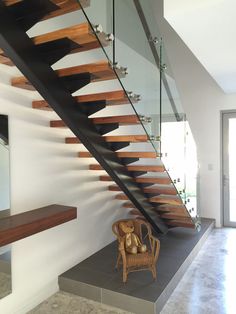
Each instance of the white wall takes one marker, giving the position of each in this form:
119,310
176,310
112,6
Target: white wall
45,171
4,177
202,100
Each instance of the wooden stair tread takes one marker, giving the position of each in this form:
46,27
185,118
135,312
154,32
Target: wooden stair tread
137,154
112,98
160,180
124,154
172,209
114,187
105,178
128,205
175,216
132,168
161,190
20,226
81,34
166,200
113,138
64,6
121,196
154,180
122,120
146,168
100,71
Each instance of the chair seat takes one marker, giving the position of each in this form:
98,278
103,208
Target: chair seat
140,259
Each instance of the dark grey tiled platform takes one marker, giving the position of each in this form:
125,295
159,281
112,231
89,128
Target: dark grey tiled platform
96,279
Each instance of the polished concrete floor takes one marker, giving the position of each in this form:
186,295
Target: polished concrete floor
208,287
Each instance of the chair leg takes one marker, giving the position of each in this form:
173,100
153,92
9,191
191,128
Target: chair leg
154,272
124,275
118,261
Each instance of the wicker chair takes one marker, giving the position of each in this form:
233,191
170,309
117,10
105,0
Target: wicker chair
140,261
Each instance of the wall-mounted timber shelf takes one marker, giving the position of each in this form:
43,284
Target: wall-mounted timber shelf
20,226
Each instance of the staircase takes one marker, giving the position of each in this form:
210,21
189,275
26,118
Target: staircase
140,177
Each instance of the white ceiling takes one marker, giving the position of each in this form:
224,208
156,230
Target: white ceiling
208,27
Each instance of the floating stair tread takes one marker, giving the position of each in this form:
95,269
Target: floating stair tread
114,138
114,188
137,154
128,205
5,60
111,98
146,168
141,180
154,180
105,178
81,34
174,216
122,120
64,6
161,190
166,200
101,70
123,154
121,196
173,209
20,226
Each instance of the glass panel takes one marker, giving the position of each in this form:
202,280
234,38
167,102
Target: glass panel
130,53
138,54
100,15
5,252
232,170
133,51
191,173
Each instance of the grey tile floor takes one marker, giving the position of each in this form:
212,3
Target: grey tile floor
208,287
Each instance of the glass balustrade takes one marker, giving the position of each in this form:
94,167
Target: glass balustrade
137,54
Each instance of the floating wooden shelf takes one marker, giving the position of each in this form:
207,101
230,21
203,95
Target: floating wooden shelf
20,226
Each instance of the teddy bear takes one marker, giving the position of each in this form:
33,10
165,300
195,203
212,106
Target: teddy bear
133,245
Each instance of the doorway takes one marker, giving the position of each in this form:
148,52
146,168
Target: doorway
229,168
